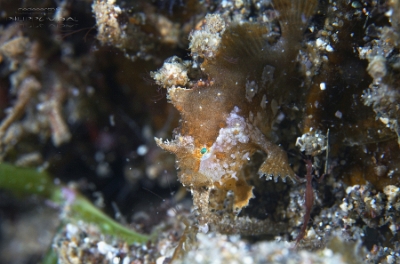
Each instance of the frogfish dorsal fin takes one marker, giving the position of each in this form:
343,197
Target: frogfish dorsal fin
294,16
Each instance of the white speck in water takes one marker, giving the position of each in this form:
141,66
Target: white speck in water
112,120
90,90
280,117
99,156
338,114
322,86
142,150
75,91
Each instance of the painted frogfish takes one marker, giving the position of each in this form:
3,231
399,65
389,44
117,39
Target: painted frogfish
228,96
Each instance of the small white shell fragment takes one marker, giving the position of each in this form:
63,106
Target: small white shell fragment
104,248
160,260
204,228
319,42
391,192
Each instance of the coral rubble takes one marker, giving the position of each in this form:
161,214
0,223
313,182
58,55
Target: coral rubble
304,92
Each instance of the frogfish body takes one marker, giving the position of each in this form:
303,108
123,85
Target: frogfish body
227,113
